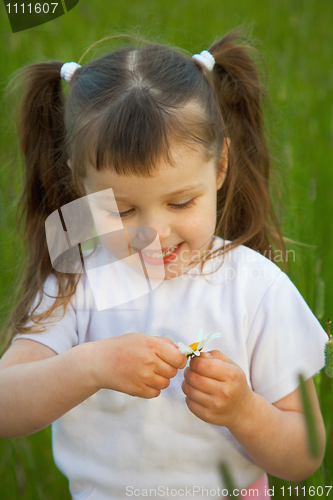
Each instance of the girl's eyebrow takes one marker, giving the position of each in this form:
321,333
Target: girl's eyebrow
189,188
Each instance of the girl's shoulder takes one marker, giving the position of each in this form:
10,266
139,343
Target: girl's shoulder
242,264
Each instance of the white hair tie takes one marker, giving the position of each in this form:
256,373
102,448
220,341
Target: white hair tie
67,71
205,58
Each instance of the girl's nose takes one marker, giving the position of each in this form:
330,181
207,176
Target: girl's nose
147,232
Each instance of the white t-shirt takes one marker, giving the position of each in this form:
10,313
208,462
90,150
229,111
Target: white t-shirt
114,446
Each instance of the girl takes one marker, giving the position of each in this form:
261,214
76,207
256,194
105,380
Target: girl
177,144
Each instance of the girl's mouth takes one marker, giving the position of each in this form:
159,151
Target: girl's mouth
167,256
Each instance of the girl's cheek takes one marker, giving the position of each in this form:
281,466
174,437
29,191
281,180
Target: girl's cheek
202,221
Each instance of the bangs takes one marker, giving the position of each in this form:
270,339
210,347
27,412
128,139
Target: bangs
137,134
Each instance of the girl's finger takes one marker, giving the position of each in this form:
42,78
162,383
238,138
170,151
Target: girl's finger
214,368
168,352
219,355
158,382
165,370
196,395
204,384
197,409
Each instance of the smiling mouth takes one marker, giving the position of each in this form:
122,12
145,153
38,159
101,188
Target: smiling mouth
156,255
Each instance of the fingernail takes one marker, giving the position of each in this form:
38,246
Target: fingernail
207,354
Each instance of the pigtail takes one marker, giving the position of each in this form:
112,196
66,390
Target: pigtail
47,185
244,205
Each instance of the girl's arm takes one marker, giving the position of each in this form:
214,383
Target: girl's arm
37,386
276,437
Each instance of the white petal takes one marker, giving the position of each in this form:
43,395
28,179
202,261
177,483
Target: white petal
197,353
203,343
170,337
184,348
208,338
215,336
213,332
198,336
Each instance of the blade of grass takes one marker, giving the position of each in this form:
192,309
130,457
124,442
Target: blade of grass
313,439
227,479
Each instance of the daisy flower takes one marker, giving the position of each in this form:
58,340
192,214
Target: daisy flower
195,348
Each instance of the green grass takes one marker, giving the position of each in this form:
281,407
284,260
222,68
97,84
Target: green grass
295,39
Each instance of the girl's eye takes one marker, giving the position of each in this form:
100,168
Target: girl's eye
114,215
124,214
184,205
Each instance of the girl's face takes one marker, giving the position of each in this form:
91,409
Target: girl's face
179,203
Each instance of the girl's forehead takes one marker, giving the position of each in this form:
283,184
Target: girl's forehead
190,171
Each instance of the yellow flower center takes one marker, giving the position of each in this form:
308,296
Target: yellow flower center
194,346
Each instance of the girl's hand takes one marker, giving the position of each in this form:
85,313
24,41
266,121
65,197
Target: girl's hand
216,389
135,363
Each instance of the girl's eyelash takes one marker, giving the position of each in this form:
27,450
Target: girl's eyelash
178,207
114,215
184,205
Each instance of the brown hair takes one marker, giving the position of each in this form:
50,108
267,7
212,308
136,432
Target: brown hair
125,109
